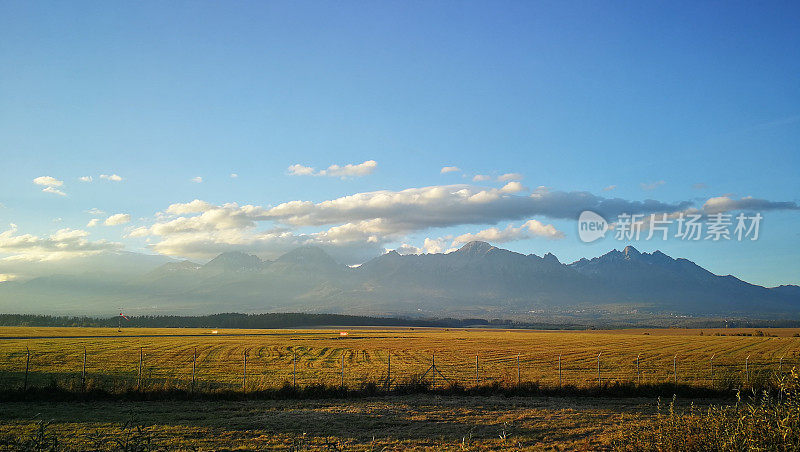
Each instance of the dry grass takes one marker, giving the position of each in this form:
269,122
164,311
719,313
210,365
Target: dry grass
394,423
767,421
113,357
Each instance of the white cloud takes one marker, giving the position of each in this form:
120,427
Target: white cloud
48,181
349,170
300,170
415,209
95,211
480,178
723,204
54,191
450,169
93,222
85,178
234,175
652,185
197,179
434,246
364,223
117,219
111,177
195,206
513,187
64,243
50,184
509,177
405,248
529,229
610,188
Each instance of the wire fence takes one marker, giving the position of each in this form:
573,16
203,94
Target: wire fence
213,367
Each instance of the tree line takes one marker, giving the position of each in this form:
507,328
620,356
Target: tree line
232,320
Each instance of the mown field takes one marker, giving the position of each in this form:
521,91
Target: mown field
162,358
415,422
221,416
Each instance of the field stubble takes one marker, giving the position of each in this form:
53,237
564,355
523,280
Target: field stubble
167,358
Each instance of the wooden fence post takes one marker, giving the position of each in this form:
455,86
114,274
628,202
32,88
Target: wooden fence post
83,371
389,372
433,367
477,372
712,367
599,380
27,365
638,372
244,373
675,368
559,370
747,368
194,366
141,361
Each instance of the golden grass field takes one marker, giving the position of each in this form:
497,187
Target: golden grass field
312,356
423,421
415,422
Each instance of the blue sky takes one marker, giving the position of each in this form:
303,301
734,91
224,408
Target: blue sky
677,102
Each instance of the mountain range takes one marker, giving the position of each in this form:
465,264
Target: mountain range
476,280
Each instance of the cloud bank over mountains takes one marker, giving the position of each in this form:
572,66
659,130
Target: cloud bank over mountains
356,227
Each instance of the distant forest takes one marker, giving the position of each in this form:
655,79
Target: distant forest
298,320
233,320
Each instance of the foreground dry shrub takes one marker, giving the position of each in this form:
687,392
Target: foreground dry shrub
767,422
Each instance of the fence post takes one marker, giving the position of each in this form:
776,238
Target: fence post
294,368
747,368
27,365
433,367
638,373
559,370
675,368
477,373
599,380
194,366
244,373
518,379
389,372
83,371
712,367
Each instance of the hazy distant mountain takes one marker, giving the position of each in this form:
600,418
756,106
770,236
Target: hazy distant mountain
478,279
